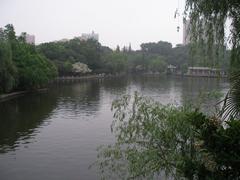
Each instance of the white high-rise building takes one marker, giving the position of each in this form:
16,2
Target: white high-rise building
30,39
86,36
186,32
204,35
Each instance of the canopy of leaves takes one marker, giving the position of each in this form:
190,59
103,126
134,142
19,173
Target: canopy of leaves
7,68
157,64
115,62
102,59
21,66
73,51
213,15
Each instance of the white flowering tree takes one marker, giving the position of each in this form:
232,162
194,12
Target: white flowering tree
80,68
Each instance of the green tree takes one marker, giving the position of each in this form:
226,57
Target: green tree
157,64
116,62
21,66
135,60
161,48
7,68
67,53
34,70
10,33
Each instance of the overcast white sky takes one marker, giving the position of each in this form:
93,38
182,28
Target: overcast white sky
116,21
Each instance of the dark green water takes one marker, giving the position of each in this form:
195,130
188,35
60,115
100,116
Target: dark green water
54,135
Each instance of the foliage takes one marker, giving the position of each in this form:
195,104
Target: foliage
7,68
163,48
21,66
102,59
115,62
34,71
180,142
231,103
157,64
65,54
81,68
220,144
208,19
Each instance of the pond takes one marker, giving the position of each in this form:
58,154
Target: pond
54,134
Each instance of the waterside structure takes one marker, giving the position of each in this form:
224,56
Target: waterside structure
171,69
197,72
205,72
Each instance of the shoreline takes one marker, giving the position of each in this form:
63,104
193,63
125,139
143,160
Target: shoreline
8,96
200,76
66,78
76,78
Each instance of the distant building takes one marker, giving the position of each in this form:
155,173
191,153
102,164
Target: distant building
171,69
30,39
63,40
86,36
186,33
206,72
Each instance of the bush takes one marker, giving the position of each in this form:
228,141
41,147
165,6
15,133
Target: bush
180,142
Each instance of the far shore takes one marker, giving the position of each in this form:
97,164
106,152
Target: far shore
8,96
91,76
4,97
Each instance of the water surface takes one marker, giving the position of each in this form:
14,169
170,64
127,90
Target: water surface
54,135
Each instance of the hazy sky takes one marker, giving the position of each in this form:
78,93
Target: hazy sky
116,21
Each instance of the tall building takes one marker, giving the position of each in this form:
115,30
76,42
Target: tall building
186,32
86,36
204,35
30,39
63,40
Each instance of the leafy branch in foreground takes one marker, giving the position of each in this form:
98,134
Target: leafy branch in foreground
153,141
231,102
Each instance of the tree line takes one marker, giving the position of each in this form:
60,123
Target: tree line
152,57
26,66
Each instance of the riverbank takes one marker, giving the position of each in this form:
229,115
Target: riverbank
76,78
199,76
8,96
5,97
67,78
